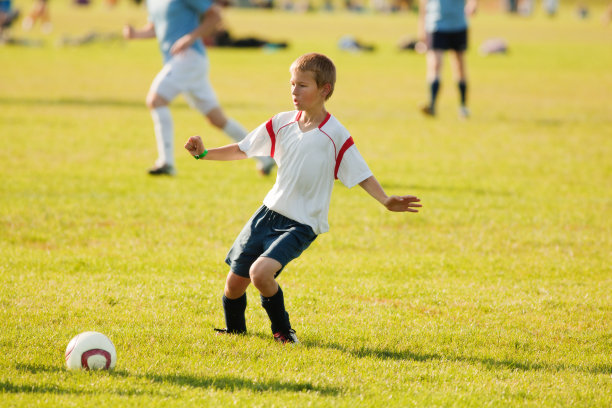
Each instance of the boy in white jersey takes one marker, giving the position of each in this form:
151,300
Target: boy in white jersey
311,149
179,26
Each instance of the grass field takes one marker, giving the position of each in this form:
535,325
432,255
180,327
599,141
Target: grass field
497,294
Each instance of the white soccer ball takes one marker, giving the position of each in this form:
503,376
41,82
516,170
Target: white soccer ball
90,351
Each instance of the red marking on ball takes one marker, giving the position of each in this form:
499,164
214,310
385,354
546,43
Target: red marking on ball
94,352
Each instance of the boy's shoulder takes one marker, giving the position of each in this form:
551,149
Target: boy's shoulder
333,128
286,117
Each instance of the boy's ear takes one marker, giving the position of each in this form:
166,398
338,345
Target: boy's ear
325,90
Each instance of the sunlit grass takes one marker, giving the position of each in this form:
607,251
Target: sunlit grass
496,294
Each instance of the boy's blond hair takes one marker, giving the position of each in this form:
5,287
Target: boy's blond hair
321,66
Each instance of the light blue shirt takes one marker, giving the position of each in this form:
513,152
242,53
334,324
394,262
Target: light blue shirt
175,18
445,16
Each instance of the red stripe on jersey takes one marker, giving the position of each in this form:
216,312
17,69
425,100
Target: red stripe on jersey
325,120
270,130
349,142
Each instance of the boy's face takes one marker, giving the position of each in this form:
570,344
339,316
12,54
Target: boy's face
307,96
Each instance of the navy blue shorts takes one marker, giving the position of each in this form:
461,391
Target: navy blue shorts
455,40
268,234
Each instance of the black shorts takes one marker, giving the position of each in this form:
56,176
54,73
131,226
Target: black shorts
451,40
268,234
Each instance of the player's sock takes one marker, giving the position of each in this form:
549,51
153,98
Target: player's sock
234,130
434,87
164,134
234,314
462,91
275,307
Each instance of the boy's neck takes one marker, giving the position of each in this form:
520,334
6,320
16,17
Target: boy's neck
312,119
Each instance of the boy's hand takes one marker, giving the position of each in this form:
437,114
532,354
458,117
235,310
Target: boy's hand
402,203
195,146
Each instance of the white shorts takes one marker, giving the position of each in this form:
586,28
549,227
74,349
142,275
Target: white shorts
186,73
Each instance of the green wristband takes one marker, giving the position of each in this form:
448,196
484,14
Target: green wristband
201,156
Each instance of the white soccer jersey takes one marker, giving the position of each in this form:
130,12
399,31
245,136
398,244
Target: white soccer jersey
308,163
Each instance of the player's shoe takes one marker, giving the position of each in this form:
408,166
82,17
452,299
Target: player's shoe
427,110
286,337
164,170
464,112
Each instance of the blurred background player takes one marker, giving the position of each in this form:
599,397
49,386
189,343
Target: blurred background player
222,37
8,15
443,26
179,26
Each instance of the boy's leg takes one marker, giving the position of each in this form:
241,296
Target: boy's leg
235,302
434,66
262,274
164,134
461,76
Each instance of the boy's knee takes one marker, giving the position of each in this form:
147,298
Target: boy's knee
235,286
262,272
233,291
155,101
258,277
217,118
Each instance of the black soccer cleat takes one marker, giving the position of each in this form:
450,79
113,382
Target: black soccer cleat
286,337
427,110
165,170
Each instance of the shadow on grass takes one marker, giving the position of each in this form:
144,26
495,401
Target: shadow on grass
227,383
223,383
489,363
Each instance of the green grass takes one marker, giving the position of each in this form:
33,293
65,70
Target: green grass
497,294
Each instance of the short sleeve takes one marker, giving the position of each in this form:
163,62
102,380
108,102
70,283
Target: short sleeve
257,143
353,168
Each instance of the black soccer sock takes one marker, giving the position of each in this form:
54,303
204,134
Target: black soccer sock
462,92
434,87
234,314
275,307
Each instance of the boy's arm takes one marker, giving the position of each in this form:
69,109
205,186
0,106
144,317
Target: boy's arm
147,31
195,147
210,20
393,203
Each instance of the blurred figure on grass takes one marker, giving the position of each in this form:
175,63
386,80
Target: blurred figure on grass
179,26
443,26
221,36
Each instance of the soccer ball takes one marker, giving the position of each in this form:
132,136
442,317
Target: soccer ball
92,351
